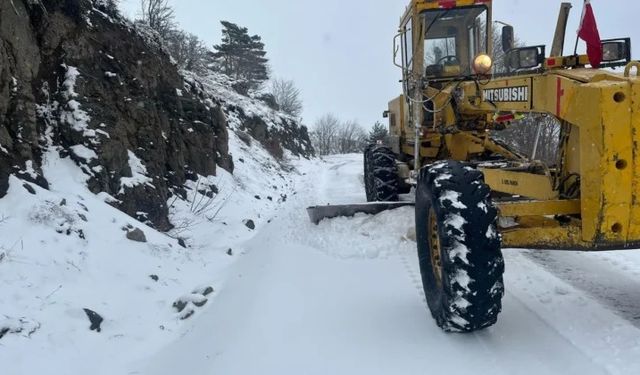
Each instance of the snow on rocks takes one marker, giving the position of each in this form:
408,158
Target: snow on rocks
84,152
69,83
29,170
187,305
72,113
21,326
138,174
218,88
58,217
279,132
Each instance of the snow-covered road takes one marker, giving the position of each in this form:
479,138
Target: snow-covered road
344,297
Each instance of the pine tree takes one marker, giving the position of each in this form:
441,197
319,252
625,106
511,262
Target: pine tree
242,56
378,133
256,62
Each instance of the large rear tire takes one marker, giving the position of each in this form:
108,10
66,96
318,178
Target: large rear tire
380,174
459,247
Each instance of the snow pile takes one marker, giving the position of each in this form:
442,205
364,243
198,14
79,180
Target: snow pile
362,236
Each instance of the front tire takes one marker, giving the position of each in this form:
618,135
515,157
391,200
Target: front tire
380,174
458,247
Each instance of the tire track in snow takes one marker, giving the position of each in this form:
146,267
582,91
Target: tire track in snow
613,284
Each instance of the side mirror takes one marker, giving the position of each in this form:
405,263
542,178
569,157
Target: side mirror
616,50
508,38
525,58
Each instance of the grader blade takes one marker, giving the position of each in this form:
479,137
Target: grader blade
319,213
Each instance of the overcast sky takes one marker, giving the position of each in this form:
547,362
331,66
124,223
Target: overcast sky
339,51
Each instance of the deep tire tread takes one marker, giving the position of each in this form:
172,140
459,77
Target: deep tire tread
381,174
484,263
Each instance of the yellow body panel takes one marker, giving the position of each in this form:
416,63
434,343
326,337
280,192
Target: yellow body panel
603,134
634,164
523,184
539,208
545,235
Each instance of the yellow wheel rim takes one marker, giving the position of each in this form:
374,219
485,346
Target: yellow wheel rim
434,247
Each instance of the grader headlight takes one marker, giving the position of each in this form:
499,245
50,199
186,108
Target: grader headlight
482,64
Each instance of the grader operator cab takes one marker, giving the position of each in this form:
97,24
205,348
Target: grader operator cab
474,194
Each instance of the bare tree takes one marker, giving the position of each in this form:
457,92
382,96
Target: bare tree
159,15
351,138
499,55
522,136
287,96
325,134
188,51
331,136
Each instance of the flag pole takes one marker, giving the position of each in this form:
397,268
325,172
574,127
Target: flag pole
575,50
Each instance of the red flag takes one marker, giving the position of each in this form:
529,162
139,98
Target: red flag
589,33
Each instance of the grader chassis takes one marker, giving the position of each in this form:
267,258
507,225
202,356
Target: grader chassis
473,194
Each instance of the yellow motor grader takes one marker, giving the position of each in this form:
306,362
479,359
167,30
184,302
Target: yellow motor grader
473,193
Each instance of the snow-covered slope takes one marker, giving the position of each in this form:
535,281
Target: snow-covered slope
64,250
278,132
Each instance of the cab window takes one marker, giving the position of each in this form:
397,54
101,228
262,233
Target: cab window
452,40
408,47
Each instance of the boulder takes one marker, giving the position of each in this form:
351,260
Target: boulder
136,235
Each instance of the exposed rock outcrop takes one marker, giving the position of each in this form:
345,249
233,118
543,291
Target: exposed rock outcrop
79,80
96,88
258,116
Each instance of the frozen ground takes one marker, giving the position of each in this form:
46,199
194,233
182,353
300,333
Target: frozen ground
343,297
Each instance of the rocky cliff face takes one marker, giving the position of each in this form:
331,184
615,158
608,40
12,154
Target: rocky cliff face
255,115
93,87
